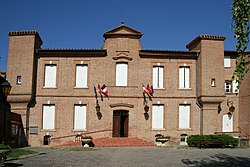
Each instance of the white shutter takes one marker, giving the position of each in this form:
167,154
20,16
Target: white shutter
235,84
81,76
121,74
50,76
227,124
157,117
184,116
160,77
227,62
48,117
155,77
181,77
186,77
80,117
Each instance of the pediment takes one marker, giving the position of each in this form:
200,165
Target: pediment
122,31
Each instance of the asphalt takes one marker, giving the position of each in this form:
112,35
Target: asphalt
136,157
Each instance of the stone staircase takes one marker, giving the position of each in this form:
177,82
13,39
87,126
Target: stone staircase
113,142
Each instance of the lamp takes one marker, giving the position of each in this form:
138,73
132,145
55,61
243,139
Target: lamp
146,108
97,108
6,87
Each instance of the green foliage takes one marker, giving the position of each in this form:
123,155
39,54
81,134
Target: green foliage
16,153
241,18
195,140
4,147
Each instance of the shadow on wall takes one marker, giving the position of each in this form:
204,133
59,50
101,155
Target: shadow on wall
218,160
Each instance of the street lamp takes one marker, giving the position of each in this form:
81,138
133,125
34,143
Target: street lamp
5,87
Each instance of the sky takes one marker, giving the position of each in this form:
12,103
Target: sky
165,24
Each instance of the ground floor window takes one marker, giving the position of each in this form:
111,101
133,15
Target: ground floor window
48,116
157,116
80,117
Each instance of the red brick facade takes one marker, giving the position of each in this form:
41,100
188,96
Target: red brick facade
204,60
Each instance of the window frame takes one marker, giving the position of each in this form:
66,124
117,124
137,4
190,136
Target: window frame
158,80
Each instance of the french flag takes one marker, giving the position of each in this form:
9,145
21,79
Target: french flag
150,89
144,89
104,90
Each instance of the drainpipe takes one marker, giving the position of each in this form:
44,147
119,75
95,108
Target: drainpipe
197,100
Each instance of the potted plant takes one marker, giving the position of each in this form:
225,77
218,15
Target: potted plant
162,139
86,140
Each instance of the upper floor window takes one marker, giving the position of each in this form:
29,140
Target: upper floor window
50,76
48,116
227,62
157,77
81,75
122,74
184,77
228,86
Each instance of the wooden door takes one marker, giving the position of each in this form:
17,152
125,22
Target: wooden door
116,125
120,123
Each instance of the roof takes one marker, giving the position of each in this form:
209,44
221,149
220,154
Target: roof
205,37
147,53
122,31
71,52
26,32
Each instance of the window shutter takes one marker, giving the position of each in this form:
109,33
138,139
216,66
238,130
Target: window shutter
48,117
81,75
157,116
181,77
235,84
50,76
184,116
186,77
121,74
227,62
80,117
160,77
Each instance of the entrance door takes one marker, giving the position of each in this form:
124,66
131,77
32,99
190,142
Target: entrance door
227,125
120,123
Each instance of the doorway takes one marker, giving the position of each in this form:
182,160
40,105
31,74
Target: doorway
227,123
120,123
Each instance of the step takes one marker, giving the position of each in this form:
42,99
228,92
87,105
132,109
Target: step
113,142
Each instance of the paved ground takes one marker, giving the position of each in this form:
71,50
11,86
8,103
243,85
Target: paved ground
136,157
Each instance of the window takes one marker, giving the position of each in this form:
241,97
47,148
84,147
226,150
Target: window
121,74
157,116
48,116
234,86
81,75
184,77
227,62
184,116
213,82
157,77
50,76
18,80
80,117
228,87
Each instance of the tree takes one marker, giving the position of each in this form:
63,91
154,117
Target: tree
240,25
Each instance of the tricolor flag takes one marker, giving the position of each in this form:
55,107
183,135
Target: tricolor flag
104,90
150,89
95,92
100,91
144,89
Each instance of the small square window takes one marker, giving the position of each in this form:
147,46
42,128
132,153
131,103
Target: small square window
213,82
18,80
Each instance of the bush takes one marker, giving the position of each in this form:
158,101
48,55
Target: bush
196,140
4,147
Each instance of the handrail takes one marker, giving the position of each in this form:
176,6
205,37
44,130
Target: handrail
53,138
248,135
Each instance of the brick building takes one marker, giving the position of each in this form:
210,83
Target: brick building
53,89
